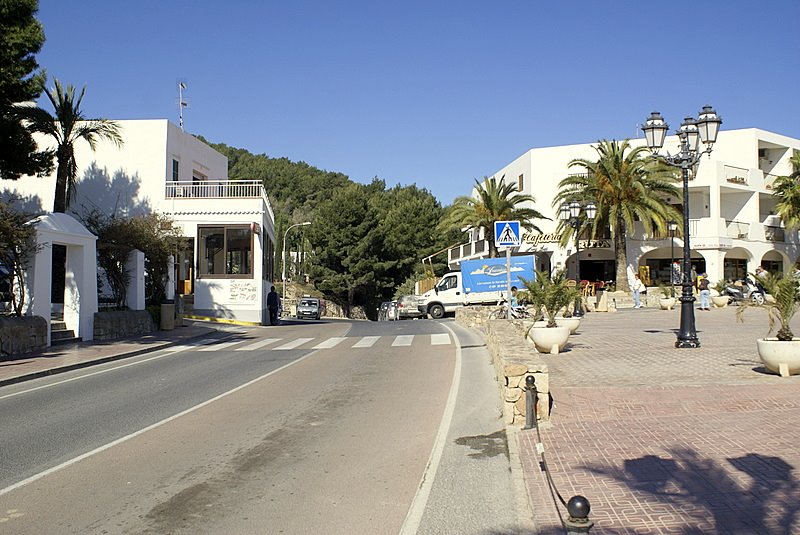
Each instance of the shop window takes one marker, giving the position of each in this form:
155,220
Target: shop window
734,269
225,251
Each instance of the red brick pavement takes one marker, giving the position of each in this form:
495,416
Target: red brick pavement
669,441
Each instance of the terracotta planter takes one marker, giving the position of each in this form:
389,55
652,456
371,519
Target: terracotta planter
667,303
780,357
720,301
549,339
571,323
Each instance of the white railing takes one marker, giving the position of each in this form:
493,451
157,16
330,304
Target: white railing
737,229
467,251
215,189
774,234
769,180
736,175
694,226
219,189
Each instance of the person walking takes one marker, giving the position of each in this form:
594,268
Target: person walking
273,304
705,293
637,288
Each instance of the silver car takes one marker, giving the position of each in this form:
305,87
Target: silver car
407,307
308,307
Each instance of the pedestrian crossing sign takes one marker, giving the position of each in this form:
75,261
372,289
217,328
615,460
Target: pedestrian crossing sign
507,234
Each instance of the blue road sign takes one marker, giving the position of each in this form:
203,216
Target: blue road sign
507,234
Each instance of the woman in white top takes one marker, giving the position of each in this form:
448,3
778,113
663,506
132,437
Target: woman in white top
637,288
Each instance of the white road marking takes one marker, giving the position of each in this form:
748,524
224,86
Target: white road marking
367,341
259,344
417,508
218,347
293,344
165,352
440,339
95,451
330,342
403,340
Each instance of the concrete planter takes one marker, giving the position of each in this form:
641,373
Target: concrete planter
720,301
781,357
571,323
667,303
549,339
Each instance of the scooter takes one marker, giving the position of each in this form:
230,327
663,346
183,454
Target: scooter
748,291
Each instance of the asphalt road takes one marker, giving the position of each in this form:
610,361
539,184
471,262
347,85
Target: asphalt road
309,427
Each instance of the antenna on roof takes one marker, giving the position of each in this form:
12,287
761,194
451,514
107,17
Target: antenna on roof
181,103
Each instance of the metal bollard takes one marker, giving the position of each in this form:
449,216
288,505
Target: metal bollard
578,522
531,398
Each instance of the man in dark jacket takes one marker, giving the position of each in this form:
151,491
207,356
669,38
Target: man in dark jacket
273,304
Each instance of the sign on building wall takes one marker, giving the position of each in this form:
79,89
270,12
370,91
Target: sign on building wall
242,291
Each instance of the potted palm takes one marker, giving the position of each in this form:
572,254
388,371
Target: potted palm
667,300
780,354
720,300
548,295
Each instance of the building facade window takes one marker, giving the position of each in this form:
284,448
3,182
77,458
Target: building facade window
225,251
175,169
520,182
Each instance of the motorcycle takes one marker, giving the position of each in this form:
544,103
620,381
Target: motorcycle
746,290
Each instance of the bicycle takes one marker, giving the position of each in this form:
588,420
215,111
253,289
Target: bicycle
517,313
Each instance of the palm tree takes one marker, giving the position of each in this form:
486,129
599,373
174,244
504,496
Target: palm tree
66,126
787,190
626,186
494,201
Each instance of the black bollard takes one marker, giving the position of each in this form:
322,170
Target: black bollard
531,398
578,522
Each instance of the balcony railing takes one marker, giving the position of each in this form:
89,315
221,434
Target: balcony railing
769,180
774,234
737,229
736,175
215,189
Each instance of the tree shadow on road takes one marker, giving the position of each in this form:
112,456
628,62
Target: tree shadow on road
759,496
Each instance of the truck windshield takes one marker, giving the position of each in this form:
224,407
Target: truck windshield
447,283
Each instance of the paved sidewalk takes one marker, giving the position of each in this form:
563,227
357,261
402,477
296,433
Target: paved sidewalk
61,358
664,440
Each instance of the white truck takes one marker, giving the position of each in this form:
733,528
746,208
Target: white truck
480,282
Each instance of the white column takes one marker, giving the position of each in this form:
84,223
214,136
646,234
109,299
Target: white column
170,286
37,284
134,267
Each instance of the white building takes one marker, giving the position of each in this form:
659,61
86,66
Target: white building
226,266
733,228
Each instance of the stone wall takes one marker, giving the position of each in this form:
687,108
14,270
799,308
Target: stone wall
514,359
22,334
113,324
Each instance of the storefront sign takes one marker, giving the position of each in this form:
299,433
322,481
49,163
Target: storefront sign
536,239
539,239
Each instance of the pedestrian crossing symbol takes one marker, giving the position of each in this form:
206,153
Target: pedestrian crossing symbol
507,234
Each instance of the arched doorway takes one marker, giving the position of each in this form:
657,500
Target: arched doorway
655,266
775,262
734,266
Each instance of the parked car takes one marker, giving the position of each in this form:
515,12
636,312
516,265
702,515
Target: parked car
387,311
308,307
407,307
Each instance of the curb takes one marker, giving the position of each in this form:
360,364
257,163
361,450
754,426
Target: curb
101,360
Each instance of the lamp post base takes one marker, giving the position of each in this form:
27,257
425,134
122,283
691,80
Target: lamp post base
689,342
687,335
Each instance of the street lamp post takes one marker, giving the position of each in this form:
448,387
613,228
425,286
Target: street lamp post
572,213
705,128
283,258
672,226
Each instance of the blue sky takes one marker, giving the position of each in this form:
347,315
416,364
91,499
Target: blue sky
426,92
